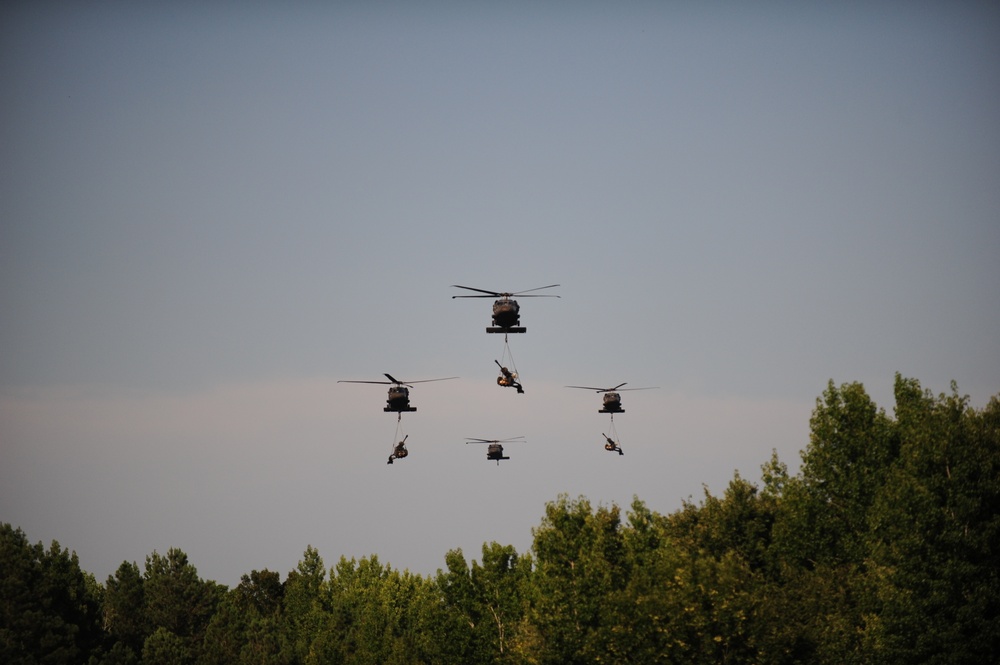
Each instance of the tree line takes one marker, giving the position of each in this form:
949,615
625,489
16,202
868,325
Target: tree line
882,548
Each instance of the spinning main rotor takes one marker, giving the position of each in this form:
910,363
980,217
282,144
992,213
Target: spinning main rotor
397,382
616,389
507,295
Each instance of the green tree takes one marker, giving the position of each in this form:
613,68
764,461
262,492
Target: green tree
819,540
935,534
306,602
179,602
125,610
163,647
738,523
852,447
49,612
247,626
379,615
484,602
579,558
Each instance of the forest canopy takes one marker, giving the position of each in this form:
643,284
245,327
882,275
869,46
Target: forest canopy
882,548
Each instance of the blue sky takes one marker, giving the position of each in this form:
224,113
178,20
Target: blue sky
209,216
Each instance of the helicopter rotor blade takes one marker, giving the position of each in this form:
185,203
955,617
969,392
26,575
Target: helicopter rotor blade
476,440
507,294
393,381
486,294
617,388
550,286
447,378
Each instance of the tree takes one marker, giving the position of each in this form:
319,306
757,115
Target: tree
935,534
739,523
579,558
852,445
124,608
484,602
306,606
179,602
247,626
164,647
49,612
379,615
819,541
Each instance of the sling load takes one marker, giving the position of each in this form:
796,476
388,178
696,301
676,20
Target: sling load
399,450
508,377
611,442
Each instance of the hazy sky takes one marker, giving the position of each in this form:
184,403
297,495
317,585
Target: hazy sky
210,215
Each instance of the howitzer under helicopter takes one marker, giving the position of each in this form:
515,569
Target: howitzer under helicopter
508,379
506,311
399,393
612,400
399,451
495,449
610,445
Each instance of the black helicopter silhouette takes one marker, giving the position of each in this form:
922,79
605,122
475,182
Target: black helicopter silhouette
495,450
506,318
612,400
399,394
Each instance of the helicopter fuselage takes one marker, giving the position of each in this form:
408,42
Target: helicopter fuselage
612,403
505,317
495,452
398,400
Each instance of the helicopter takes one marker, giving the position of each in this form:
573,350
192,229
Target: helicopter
399,394
399,451
495,450
505,310
612,400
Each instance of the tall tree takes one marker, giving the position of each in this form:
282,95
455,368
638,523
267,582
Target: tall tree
852,446
379,615
48,609
247,625
306,604
935,534
579,558
125,618
178,601
485,602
